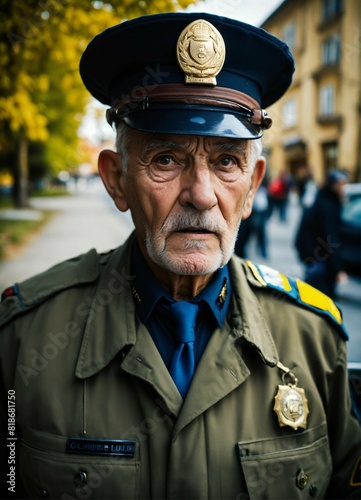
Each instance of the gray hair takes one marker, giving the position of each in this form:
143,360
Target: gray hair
255,151
122,143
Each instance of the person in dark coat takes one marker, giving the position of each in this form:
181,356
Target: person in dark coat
318,240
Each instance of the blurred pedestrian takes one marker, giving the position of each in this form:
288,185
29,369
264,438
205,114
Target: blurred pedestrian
255,225
318,236
309,194
306,186
278,194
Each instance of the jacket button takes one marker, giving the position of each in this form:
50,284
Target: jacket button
80,479
44,494
302,479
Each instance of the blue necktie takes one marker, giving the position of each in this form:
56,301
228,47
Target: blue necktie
184,315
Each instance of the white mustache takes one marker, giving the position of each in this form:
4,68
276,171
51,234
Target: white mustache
186,220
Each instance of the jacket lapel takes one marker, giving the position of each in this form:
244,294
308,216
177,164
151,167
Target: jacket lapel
145,362
222,368
110,313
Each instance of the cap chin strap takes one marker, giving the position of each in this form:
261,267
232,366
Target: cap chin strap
221,97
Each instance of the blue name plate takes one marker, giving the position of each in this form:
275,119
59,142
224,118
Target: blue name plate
114,447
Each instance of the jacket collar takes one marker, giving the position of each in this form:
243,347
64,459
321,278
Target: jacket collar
247,318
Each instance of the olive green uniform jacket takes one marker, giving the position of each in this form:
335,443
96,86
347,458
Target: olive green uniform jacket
83,366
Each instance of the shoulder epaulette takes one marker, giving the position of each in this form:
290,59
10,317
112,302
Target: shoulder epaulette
33,291
303,293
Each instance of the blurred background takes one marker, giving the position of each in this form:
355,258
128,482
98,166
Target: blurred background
52,204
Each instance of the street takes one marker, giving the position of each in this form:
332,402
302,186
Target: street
88,219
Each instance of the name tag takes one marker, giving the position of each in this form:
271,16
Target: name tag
113,447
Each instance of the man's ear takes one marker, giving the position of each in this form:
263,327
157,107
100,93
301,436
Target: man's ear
110,171
257,176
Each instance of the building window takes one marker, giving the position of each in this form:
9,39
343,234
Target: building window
289,35
327,100
330,9
289,113
331,50
330,156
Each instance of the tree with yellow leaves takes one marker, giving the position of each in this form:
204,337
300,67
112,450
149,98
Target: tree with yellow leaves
42,98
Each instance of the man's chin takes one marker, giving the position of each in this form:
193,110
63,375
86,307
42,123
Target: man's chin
191,263
187,256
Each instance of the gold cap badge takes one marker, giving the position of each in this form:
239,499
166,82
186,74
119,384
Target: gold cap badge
201,52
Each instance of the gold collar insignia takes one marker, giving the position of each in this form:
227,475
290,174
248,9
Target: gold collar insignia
223,293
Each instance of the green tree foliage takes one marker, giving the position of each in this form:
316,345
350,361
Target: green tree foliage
42,98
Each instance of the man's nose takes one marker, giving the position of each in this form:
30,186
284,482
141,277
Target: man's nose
197,187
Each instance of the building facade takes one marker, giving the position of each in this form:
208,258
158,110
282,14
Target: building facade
317,124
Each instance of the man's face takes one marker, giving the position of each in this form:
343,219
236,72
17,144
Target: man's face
187,196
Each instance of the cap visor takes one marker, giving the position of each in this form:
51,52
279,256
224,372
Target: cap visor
208,122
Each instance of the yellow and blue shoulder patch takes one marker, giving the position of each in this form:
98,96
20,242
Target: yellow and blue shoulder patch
304,294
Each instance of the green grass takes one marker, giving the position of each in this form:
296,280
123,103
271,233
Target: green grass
50,192
6,202
14,233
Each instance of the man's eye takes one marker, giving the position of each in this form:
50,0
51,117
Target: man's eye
164,160
227,161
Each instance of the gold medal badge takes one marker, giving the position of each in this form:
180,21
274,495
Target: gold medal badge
291,404
201,52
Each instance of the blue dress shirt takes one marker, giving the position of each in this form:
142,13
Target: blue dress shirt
213,304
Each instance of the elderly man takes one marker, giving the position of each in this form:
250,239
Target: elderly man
168,368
